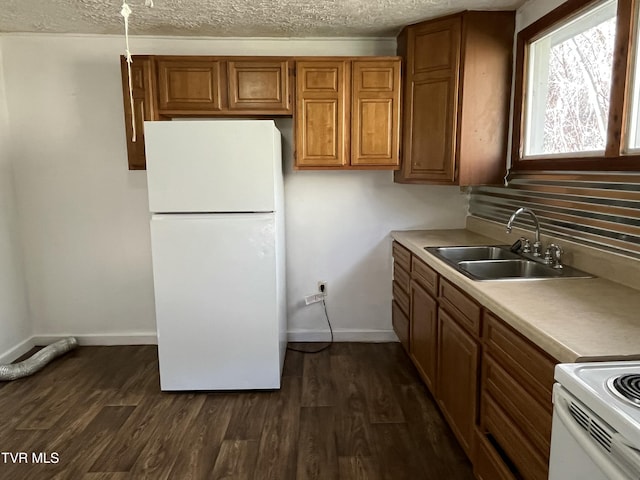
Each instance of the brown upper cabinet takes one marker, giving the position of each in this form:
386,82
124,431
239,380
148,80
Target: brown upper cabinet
347,113
199,86
223,85
256,85
186,85
457,87
321,113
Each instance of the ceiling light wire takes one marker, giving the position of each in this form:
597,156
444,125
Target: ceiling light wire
125,11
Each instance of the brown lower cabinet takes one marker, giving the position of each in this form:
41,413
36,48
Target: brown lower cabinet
491,383
458,358
401,305
400,323
487,463
512,441
424,334
515,406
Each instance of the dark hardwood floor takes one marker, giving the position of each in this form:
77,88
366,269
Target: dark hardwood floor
355,411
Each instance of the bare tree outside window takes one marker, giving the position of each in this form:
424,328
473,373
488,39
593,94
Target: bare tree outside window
570,85
579,87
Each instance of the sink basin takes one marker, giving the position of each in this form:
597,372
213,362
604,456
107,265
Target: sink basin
497,262
460,254
518,269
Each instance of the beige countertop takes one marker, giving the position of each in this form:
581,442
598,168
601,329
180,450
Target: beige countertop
574,319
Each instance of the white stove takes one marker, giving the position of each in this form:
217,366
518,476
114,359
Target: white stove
596,421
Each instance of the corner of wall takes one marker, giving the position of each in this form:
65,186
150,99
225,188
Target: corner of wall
14,319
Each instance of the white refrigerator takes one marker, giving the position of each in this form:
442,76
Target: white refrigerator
217,242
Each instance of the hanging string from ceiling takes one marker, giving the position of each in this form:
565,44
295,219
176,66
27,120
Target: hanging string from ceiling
125,11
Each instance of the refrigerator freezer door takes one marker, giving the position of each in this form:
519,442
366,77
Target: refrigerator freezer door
212,165
216,284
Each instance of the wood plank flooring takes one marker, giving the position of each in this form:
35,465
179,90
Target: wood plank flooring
356,411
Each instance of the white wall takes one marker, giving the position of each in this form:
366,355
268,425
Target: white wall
15,328
338,226
84,216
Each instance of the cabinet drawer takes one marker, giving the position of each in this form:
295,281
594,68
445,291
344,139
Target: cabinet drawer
401,256
531,418
402,297
487,463
529,463
400,325
424,275
402,278
464,310
529,366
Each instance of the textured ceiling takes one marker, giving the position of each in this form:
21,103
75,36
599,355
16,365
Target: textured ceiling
237,18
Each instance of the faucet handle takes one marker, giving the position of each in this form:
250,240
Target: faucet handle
548,256
517,245
526,245
537,249
553,255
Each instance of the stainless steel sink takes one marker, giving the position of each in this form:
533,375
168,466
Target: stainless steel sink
460,254
521,269
492,269
497,262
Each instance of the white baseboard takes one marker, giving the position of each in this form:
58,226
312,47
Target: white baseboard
15,352
142,338
150,338
342,336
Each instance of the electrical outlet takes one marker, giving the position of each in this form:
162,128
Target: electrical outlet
322,287
309,299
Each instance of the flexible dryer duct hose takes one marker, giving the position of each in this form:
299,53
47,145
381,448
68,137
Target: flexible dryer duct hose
38,360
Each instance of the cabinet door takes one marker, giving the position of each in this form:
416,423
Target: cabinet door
189,86
375,123
143,106
485,92
431,102
457,378
259,86
423,336
321,113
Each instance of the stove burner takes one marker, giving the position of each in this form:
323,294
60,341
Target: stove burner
626,387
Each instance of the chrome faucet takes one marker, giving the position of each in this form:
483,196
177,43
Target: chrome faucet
537,246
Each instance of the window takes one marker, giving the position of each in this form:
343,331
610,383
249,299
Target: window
569,85
574,107
633,144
